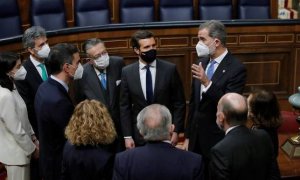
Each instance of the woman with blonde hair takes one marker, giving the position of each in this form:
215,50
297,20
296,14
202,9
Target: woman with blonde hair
90,133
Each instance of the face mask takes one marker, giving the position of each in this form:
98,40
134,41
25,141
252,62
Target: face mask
203,50
78,72
44,52
20,74
149,56
102,62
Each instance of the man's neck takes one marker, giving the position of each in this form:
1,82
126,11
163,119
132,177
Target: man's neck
218,52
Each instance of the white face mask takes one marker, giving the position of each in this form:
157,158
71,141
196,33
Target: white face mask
44,52
102,62
203,50
20,74
78,72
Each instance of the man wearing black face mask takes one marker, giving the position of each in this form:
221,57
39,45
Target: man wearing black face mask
146,82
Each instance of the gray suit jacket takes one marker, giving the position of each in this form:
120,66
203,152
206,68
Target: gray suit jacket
89,87
168,91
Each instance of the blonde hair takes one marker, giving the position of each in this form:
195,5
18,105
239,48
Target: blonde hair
90,124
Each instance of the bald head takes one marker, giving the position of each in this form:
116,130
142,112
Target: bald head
234,107
154,122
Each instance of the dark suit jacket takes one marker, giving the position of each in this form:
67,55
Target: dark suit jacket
89,87
157,160
168,91
53,111
244,154
28,88
86,162
202,130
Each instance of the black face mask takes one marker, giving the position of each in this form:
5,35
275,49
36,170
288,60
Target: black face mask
149,56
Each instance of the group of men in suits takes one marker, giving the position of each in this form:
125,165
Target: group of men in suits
127,90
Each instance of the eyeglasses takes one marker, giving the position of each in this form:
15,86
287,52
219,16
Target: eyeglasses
99,55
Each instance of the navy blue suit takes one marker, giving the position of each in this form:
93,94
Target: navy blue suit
86,162
53,111
244,154
157,160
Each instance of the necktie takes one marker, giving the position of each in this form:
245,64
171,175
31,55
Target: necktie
149,90
210,70
103,80
44,72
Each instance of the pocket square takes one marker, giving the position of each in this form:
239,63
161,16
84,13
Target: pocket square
118,82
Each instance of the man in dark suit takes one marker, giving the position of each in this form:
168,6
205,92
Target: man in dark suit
101,81
149,81
35,42
54,107
215,74
158,159
243,154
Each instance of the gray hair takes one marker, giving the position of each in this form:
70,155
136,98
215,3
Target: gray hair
216,29
31,34
154,122
91,43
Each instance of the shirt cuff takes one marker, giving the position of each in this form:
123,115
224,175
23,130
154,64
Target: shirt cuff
207,87
127,137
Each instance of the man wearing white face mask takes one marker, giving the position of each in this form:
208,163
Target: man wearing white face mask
54,107
216,72
35,42
101,81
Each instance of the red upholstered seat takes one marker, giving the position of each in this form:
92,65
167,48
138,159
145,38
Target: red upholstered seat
289,124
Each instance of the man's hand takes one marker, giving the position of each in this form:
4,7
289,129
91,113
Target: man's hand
185,145
199,73
129,143
174,138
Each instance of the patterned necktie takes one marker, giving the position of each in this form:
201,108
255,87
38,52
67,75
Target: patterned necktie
149,89
103,80
210,70
44,72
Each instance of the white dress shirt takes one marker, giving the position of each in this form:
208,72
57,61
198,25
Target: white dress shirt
36,65
143,71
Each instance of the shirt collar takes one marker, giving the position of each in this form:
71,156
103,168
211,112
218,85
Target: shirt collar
34,61
142,65
231,128
60,82
98,72
221,57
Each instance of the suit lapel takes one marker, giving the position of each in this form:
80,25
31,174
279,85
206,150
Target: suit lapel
157,83
94,82
222,68
136,79
110,76
33,71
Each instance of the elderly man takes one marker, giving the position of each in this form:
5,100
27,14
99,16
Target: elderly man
243,153
158,159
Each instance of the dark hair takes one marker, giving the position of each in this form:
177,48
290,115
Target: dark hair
59,55
8,60
138,35
264,107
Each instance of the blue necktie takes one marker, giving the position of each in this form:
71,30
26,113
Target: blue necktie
210,70
103,80
149,90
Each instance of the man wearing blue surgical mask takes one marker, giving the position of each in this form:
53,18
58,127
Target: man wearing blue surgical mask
216,73
101,81
148,81
54,107
35,42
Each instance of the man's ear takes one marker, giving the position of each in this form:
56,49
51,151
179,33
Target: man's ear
172,127
30,50
136,50
66,67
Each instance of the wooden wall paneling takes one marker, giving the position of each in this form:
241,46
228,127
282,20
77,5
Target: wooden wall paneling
24,6
69,10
